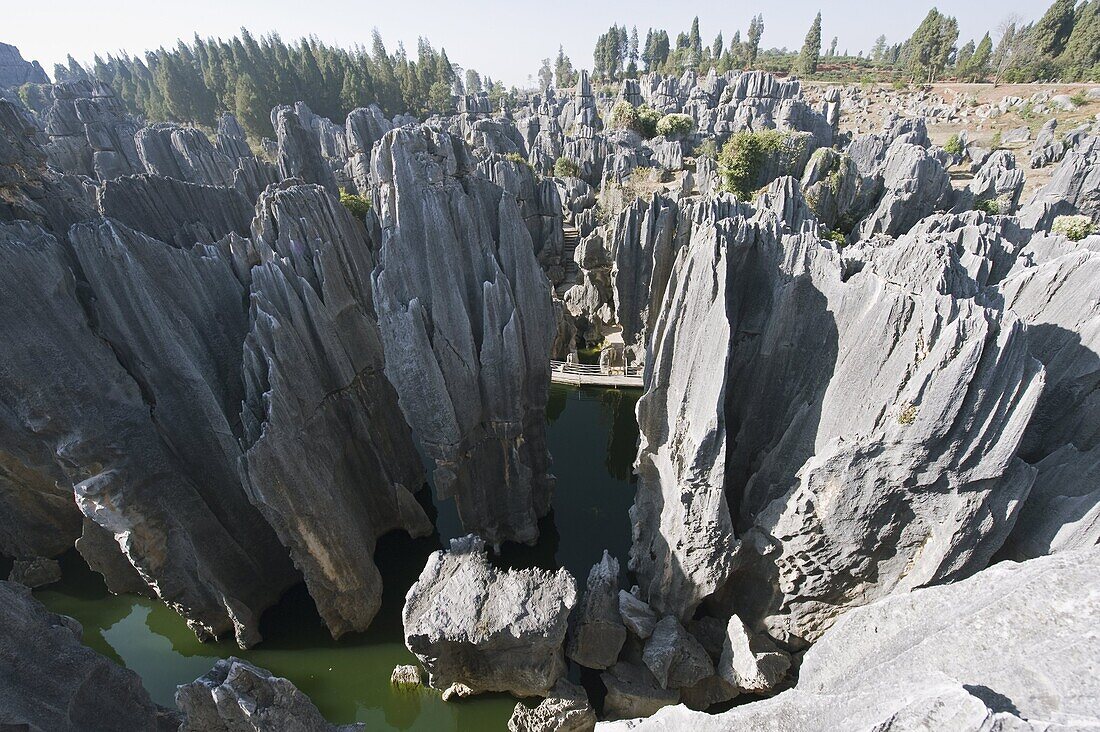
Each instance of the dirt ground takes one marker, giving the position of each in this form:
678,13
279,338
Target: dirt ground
981,130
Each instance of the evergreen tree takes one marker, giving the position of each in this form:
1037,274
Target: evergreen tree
1053,30
878,51
931,45
811,49
473,82
695,40
962,59
978,65
546,75
832,47
756,30
563,70
716,48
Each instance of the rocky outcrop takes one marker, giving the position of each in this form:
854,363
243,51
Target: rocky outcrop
598,634
771,478
674,657
633,692
644,247
186,154
1004,649
29,189
476,628
15,72
53,683
915,184
1063,509
328,460
299,153
467,324
90,132
174,211
36,572
210,406
236,696
566,709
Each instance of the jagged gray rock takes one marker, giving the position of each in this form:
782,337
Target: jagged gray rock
53,683
759,437
237,696
478,629
566,709
633,692
1005,649
175,211
749,662
598,634
36,572
674,657
328,460
467,324
15,72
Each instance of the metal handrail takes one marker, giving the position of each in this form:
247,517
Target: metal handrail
595,369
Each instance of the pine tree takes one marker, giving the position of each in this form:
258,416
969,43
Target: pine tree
716,47
1053,30
962,59
756,30
546,75
978,65
878,51
695,41
811,49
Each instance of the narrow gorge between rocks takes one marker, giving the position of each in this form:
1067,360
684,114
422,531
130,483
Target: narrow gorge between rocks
592,436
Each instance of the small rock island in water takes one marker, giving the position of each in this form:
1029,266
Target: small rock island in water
709,387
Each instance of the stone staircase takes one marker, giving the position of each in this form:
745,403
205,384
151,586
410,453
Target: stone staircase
572,238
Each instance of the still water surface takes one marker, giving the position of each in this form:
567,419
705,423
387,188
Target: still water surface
592,436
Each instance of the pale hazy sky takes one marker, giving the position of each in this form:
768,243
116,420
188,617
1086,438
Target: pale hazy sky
505,39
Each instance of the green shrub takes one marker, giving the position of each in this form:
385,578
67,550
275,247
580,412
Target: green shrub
742,157
357,205
623,116
991,206
708,148
837,237
908,414
517,159
953,146
1079,99
1074,228
899,85
995,143
647,121
566,168
675,125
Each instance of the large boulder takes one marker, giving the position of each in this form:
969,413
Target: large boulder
237,696
476,628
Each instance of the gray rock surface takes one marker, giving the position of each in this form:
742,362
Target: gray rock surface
15,71
633,692
749,662
474,626
1010,648
237,696
328,460
53,683
674,657
36,572
467,324
755,436
566,709
598,632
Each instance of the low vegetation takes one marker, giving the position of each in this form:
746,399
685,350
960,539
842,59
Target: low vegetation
742,157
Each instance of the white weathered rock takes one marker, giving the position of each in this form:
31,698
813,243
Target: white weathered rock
236,696
674,657
566,709
598,633
485,629
751,663
1013,647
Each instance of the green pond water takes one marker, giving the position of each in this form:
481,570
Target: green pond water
592,436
